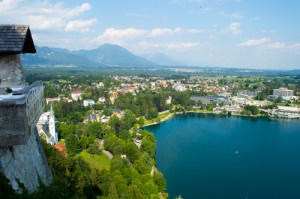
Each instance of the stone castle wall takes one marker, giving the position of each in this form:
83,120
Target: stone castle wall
11,68
27,163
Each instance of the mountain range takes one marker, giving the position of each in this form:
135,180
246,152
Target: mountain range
107,55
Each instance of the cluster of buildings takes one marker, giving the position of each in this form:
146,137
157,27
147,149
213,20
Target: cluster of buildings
285,93
225,96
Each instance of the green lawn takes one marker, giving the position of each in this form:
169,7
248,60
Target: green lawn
96,161
162,116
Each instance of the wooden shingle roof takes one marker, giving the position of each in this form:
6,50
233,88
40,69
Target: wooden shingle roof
16,39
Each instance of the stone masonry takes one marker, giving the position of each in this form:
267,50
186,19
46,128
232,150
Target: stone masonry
27,163
11,68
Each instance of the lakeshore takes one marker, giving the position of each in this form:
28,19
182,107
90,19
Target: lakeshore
171,115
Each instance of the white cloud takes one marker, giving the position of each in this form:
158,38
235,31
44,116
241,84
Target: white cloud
253,42
194,31
295,46
119,36
168,45
80,25
7,5
276,45
233,29
163,31
40,15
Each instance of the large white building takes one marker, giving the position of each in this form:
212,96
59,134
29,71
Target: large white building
287,111
284,92
46,127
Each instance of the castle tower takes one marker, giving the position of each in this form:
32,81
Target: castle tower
22,157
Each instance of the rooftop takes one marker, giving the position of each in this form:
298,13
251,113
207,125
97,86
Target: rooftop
16,39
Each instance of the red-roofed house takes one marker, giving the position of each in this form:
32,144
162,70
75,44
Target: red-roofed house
52,99
76,95
62,149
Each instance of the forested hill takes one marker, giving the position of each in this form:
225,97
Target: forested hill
107,55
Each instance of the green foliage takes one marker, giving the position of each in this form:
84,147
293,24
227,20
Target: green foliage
72,144
151,113
210,108
116,164
71,112
131,151
94,130
113,121
107,112
124,135
141,167
6,190
246,112
112,192
8,90
278,99
98,106
84,141
141,121
127,120
51,91
160,182
148,143
94,149
253,109
134,193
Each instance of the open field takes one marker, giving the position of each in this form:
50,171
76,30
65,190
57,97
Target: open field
96,161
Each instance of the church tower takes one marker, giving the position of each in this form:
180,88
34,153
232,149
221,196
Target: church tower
52,130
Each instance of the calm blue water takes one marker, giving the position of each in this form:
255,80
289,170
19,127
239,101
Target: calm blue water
197,155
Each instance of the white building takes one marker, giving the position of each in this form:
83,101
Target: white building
179,87
88,102
76,95
100,85
46,127
169,100
105,119
287,111
101,100
284,92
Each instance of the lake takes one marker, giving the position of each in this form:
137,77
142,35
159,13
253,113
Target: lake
209,156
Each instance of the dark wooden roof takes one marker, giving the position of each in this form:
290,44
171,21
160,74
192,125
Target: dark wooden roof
16,39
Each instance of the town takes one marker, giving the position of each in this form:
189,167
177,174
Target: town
214,95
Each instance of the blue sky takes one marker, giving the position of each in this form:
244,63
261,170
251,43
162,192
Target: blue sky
227,33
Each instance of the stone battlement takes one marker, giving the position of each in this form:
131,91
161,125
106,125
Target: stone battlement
19,113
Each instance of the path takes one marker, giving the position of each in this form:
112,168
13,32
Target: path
162,120
110,156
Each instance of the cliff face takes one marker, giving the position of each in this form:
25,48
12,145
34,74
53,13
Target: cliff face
27,163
